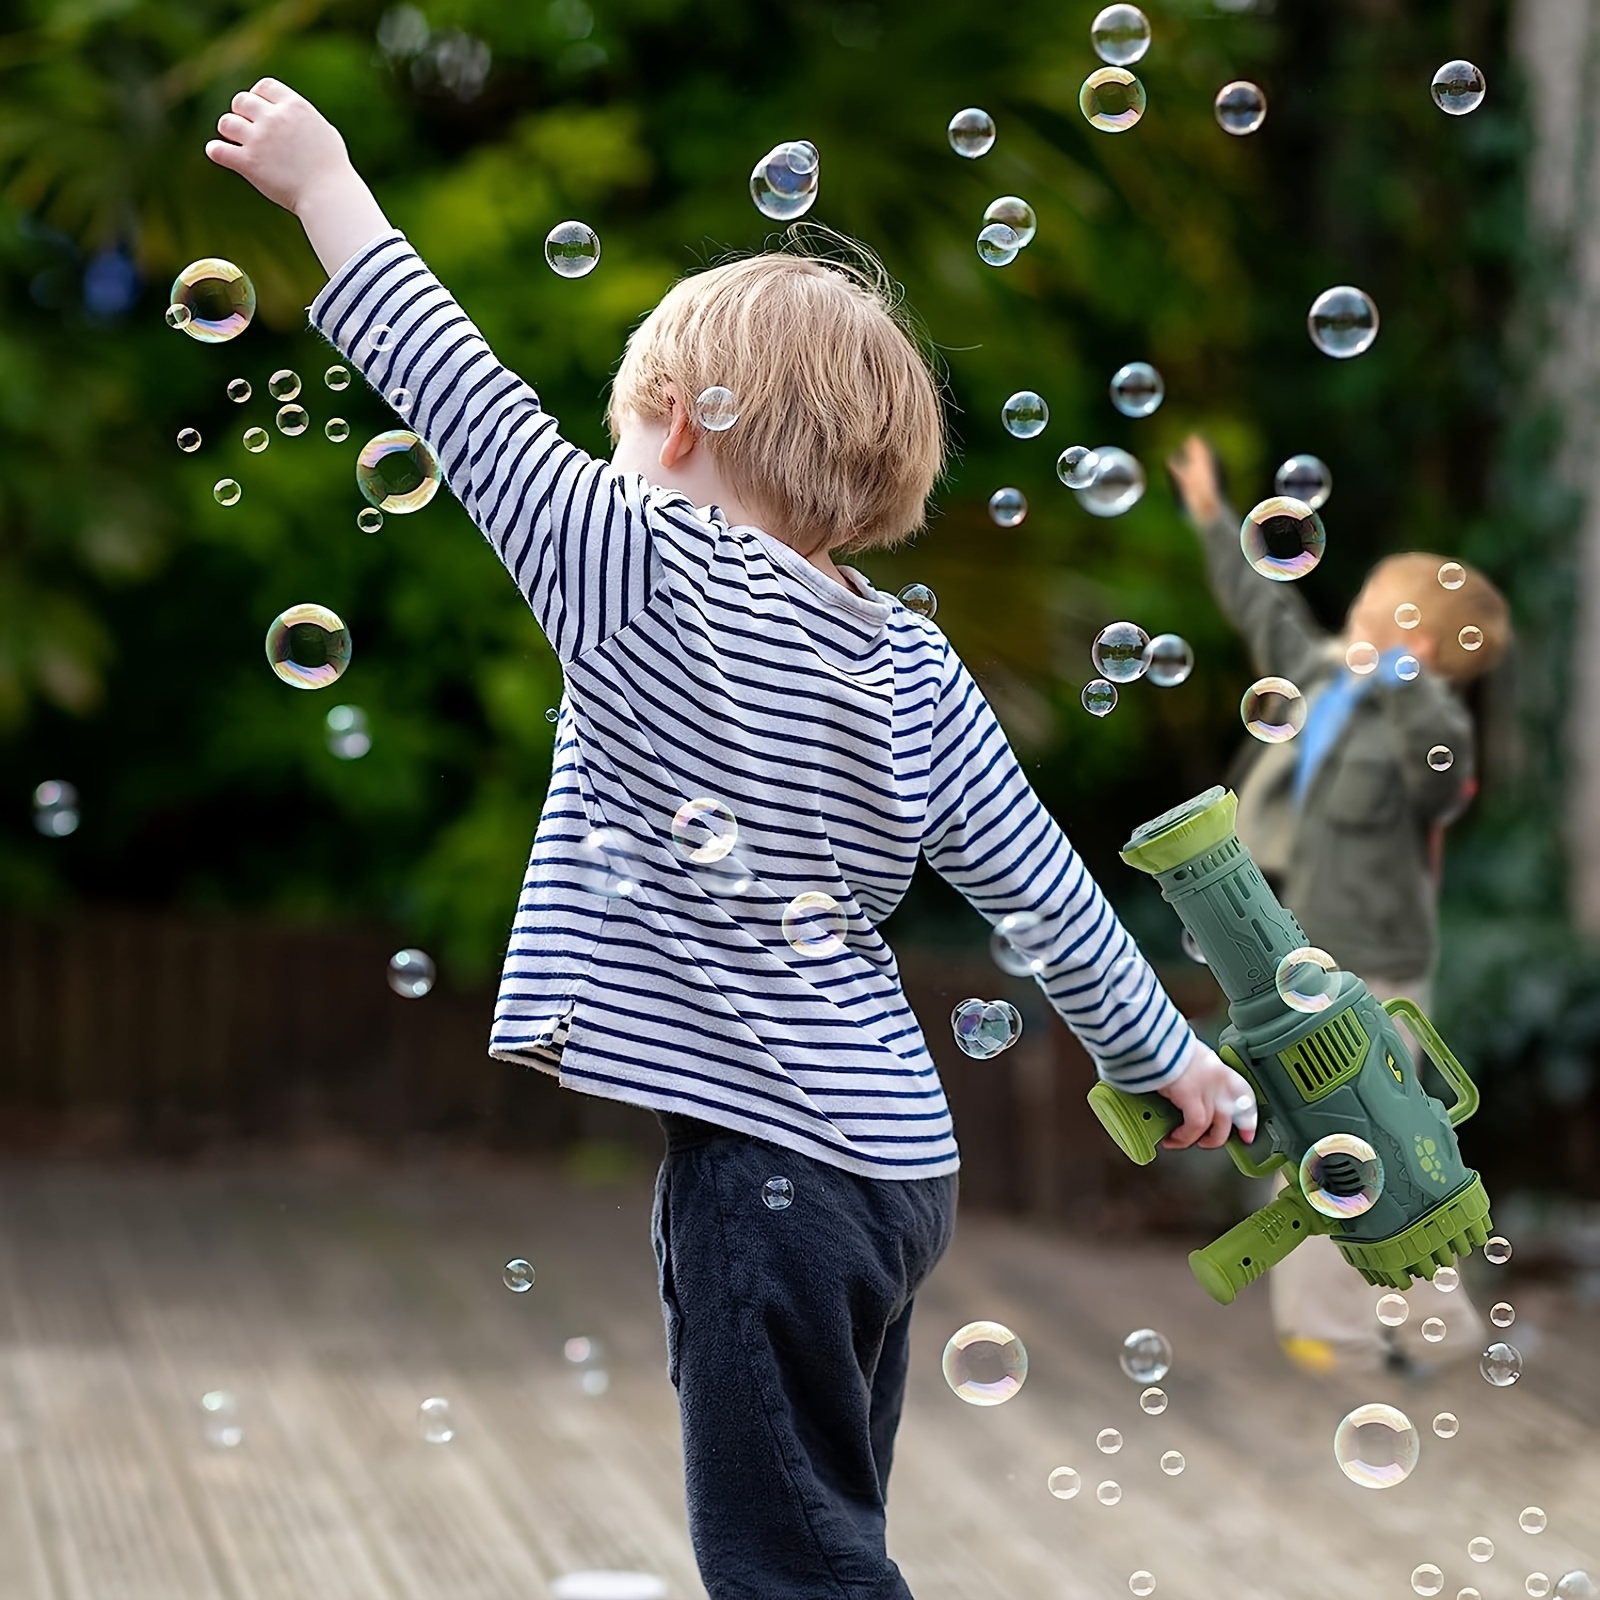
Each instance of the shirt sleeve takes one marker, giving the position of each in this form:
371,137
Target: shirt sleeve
990,836
574,534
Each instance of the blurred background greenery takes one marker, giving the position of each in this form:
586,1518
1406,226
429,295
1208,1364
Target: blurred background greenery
132,606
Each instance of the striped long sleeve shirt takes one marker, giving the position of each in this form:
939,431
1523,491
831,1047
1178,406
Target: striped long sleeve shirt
841,730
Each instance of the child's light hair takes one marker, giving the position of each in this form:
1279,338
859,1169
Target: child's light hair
1476,603
840,436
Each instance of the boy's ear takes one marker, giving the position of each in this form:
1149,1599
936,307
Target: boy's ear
681,436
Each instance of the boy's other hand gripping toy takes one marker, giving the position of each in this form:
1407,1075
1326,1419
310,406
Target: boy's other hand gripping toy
1332,1085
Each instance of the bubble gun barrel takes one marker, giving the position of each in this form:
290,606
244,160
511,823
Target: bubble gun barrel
1371,1157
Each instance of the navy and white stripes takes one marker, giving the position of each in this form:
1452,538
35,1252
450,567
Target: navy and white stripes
842,731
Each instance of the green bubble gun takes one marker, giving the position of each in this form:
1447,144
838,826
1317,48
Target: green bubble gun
1337,1087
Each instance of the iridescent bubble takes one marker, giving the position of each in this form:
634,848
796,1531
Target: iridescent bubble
1137,389
918,597
1108,1441
985,1363
1273,710
188,439
1433,1329
1172,1463
1308,980
784,181
1117,485
226,492
1282,538
1376,1446
336,430
1501,1364
1447,1425
998,245
433,1421
1168,660
239,390
1119,652
380,338
369,519
219,298
293,420
1120,35
1532,1519
1109,1493
1497,1250
814,924
1452,575
1470,637
55,809
219,1415
1013,212
1407,668
1341,1176
1112,99
1447,1278
1064,1483
704,830
1393,1309
972,133
1007,507
1304,478
1458,87
983,1028
572,249
397,471
1017,944
777,1194
1361,658
1577,1585
1142,1583
1146,1356
411,973
1502,1313
1441,758
1427,1579
337,377
284,385
1025,414
1240,107
400,400
256,440
1153,1401
1075,466
308,646
1407,615
348,738
716,409
517,1275
178,317
1343,321
1099,697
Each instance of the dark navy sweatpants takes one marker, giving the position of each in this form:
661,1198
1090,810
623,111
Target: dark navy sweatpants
787,1339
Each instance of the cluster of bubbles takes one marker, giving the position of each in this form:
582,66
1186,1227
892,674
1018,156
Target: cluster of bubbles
1008,226
784,181
572,249
983,1028
1123,652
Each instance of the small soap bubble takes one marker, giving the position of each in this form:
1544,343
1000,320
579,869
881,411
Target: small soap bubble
219,298
594,1381
1013,212
1007,507
336,430
433,1421
1361,658
801,156
1146,1356
411,973
1283,538
1075,466
814,924
1240,107
704,830
1025,414
983,1028
1458,87
1142,1583
1117,485
1343,321
1446,1426
1119,652
716,409
518,1275
400,400
1137,389
1376,1446
1153,1401
1112,99
1064,1483
369,519
1120,35
1407,668
1427,1579
219,1416
551,714
1502,1313
1577,1585
256,440
1168,660
293,420
985,1363
1393,1309
284,385
1109,1492
1498,1250
1448,1279
1501,1364
337,377
1470,637
784,182
1407,614
397,471
1537,1584
55,809
606,865
188,439
1017,944
1191,948
777,1194
972,133
348,737
1099,697
1441,758
1341,1177
1304,478
226,492
581,1350
380,338
1433,1329
1452,575
239,390
1532,1519
178,316
918,597
572,249
1108,1441
308,646
998,245
1481,1548
1273,710
1172,1463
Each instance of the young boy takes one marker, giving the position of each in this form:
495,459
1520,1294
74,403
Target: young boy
1347,821
713,649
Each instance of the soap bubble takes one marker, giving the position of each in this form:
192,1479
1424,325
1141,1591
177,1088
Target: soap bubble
784,181
918,597
1501,1364
1075,466
1497,1250
411,973
1025,414
369,519
1577,1585
380,337
256,440
716,409
814,924
336,430
704,830
606,865
1433,1329
1361,658
1099,697
55,809
1447,1425
1341,1176
1304,478
397,471
1013,944
581,1351
178,317
433,1421
1137,389
1427,1579
1407,615
1013,212
998,245
1376,1446
348,738
1537,1584
1142,1583
1112,99
219,1415
308,646
777,1194
1470,637
293,420
1168,660
188,439
1064,1483
1532,1519
1447,1278
1452,575
1273,710
1441,758
400,399
1172,1463
1393,1309
985,1363
1240,107
337,377
284,385
226,492
1468,1593
1191,948
1502,1313
1282,538
1120,35
1117,485
239,390
1108,1441
572,249
1153,1401
1343,321
1109,1492
1007,507
1458,87
219,298
1118,652
1307,980
983,1028
518,1276
1146,1356
972,133
1406,668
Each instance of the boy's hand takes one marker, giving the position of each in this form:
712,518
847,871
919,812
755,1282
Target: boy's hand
1194,479
1214,1100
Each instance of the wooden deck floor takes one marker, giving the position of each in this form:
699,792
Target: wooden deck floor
331,1301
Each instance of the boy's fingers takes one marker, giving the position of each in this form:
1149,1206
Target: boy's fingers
225,154
247,103
1217,1134
233,127
270,89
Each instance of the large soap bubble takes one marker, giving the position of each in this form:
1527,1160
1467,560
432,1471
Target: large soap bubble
1343,321
1458,87
1377,1446
308,646
1117,484
1282,538
1120,35
218,298
784,181
572,249
1112,99
972,133
397,471
985,1363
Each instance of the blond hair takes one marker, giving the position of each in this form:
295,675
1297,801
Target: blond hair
1475,603
841,433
